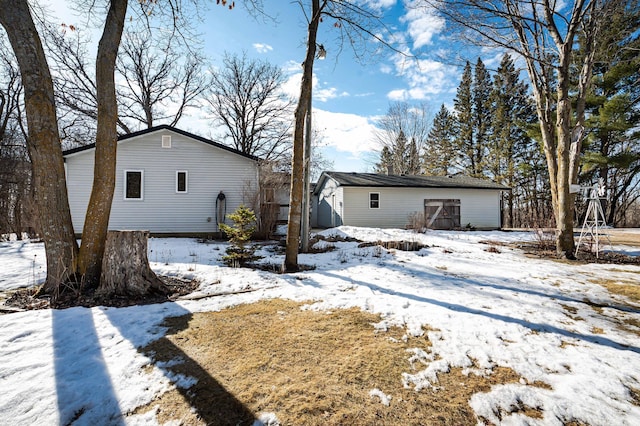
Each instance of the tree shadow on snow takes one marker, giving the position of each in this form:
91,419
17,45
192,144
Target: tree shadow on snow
213,403
85,391
475,285
542,328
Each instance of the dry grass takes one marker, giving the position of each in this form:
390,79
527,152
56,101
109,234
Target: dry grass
623,237
309,368
627,288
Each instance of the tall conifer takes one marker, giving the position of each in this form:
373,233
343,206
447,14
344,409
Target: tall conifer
464,120
439,155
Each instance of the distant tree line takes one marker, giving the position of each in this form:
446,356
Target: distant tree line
493,133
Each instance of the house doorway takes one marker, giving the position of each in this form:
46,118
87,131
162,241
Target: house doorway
442,214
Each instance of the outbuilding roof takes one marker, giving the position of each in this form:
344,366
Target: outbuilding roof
404,181
159,128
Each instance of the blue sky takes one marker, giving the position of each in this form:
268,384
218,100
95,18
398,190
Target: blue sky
348,96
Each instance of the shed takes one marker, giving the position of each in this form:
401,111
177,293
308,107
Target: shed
395,201
168,181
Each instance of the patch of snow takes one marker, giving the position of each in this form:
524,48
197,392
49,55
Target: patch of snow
478,310
384,398
267,419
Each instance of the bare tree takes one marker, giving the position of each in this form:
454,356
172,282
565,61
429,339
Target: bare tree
404,131
15,168
247,101
74,84
43,142
161,79
157,79
544,34
357,23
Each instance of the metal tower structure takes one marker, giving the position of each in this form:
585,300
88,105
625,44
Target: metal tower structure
594,220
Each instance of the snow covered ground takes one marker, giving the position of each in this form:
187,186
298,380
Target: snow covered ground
546,320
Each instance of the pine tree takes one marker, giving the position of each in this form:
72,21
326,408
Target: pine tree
508,139
439,157
612,149
239,253
386,162
413,158
400,154
481,110
464,121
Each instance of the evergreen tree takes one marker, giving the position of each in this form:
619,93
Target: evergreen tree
400,154
612,148
481,110
509,143
439,157
413,159
463,107
386,161
239,252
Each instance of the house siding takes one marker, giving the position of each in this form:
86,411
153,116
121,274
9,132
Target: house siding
478,207
326,204
162,210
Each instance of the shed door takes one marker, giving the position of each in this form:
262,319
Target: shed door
442,214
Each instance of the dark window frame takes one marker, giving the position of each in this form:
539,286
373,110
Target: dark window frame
132,193
185,182
374,202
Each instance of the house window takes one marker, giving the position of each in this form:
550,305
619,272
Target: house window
133,184
166,141
374,200
181,181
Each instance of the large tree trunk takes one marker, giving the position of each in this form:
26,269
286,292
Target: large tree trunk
297,163
96,222
565,245
43,143
125,268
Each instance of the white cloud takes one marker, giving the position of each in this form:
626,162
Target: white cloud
425,78
321,94
262,48
386,69
349,133
423,24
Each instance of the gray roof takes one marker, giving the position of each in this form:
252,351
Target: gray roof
164,127
405,181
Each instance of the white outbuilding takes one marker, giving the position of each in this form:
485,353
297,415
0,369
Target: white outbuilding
398,201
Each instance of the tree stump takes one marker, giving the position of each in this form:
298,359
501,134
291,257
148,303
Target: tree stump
125,268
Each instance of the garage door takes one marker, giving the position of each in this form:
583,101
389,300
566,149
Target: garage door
442,214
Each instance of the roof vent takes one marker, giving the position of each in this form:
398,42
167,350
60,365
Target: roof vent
166,141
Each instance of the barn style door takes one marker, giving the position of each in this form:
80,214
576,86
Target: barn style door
442,214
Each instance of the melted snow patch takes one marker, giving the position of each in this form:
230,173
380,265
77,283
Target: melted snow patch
384,398
267,419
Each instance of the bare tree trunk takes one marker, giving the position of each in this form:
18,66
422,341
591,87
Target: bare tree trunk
96,222
125,267
564,200
297,163
43,143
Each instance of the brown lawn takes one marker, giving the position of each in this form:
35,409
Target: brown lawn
306,367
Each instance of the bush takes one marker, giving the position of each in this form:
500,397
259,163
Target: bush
239,253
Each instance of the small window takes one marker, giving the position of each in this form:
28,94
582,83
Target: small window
374,200
133,184
166,141
182,181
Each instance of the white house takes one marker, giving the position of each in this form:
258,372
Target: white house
390,201
168,181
